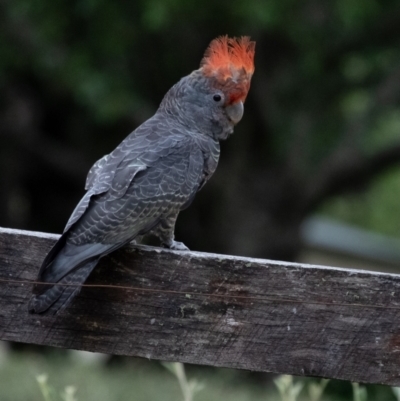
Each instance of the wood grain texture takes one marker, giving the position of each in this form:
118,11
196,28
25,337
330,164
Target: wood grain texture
214,310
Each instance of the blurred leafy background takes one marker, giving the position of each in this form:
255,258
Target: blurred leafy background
320,132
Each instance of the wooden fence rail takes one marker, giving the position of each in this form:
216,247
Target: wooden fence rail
213,310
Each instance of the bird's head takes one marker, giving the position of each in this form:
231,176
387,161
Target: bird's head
212,97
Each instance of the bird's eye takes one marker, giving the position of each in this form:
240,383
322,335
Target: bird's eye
217,98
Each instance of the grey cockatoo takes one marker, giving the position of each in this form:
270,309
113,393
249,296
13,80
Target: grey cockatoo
153,174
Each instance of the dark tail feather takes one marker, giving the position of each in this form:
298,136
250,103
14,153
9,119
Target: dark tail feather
58,297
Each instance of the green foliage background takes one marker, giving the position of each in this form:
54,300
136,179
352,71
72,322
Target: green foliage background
142,380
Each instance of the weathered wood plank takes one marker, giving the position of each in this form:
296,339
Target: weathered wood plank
214,310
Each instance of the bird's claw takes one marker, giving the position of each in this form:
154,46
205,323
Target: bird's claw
176,246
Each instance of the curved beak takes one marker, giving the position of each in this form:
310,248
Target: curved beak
235,112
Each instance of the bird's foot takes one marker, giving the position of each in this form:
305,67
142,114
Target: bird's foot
176,246
136,241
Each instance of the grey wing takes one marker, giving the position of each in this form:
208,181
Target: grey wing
116,186
114,217
95,172
164,187
150,175
113,172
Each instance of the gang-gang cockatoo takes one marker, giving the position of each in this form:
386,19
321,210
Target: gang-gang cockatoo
142,185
